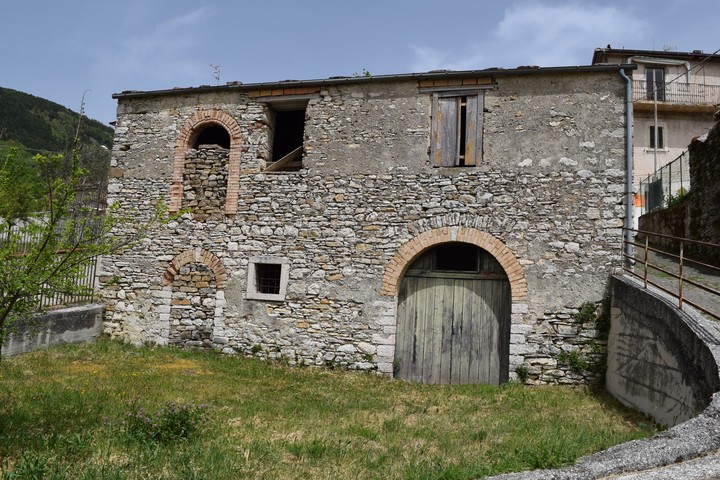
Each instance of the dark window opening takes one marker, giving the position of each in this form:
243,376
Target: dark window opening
267,278
462,129
289,132
660,141
457,257
213,135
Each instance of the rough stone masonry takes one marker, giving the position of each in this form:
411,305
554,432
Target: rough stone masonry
545,198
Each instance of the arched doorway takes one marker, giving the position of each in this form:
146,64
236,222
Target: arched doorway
194,298
453,317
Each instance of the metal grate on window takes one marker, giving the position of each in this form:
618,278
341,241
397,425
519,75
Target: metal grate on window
267,278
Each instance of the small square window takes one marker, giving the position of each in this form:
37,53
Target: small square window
267,278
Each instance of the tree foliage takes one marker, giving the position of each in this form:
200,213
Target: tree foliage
52,225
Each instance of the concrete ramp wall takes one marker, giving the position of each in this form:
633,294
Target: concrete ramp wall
661,361
69,325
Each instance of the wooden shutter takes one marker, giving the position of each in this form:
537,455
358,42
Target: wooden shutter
473,129
444,145
446,125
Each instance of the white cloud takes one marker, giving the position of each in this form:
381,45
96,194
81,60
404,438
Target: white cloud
539,33
162,55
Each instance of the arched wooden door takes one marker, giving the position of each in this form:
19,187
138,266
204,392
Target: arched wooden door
453,320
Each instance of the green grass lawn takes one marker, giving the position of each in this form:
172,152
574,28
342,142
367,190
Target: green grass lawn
61,414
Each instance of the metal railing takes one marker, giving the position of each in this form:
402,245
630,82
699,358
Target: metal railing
673,265
84,278
665,186
679,93
90,203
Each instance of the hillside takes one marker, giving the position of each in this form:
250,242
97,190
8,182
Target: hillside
39,124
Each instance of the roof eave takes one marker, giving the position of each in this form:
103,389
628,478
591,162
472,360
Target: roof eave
494,72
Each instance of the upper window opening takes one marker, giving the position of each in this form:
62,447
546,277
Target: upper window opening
655,81
456,129
213,135
287,135
289,132
458,257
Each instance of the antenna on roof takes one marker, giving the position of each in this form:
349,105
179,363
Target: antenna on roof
668,48
216,73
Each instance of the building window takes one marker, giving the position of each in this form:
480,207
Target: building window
456,129
267,278
286,122
660,140
655,81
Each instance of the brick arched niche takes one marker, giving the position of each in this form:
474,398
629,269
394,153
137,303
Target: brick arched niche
189,133
411,250
194,299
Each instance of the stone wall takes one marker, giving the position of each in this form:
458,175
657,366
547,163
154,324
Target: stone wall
705,187
549,188
205,181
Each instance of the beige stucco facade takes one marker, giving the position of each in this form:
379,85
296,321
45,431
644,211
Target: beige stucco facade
687,93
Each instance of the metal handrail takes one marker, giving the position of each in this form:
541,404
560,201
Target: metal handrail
633,262
679,93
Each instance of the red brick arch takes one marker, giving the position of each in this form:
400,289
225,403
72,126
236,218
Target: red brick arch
197,255
188,135
411,250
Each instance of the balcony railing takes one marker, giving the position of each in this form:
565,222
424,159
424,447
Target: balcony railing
679,93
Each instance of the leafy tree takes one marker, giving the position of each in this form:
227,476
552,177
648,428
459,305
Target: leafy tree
51,227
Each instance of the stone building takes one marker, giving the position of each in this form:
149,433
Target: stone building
441,227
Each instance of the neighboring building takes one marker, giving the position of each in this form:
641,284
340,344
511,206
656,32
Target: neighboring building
684,89
441,227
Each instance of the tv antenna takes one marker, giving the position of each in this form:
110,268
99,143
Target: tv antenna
216,73
669,48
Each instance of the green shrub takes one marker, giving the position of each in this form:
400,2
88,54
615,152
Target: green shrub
587,313
522,373
174,421
573,360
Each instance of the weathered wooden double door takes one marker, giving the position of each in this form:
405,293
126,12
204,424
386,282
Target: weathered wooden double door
453,319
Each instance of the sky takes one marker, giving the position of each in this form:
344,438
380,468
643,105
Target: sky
61,50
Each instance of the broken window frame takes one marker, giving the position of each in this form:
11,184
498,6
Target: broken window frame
290,161
457,126
254,291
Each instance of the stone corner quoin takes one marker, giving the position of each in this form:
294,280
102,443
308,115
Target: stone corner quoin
310,264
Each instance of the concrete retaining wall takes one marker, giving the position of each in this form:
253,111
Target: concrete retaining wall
69,325
664,362
661,361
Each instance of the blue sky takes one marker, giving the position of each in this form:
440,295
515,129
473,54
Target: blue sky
58,50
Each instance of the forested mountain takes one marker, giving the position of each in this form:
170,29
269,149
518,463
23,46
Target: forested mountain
39,124
30,125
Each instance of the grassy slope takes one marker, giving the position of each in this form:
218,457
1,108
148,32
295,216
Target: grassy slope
271,421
